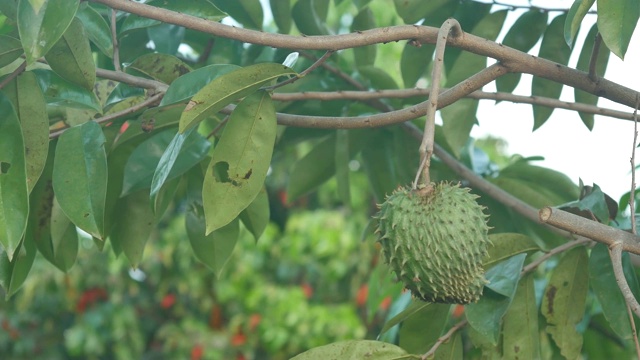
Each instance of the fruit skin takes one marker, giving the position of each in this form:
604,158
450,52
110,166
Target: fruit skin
435,239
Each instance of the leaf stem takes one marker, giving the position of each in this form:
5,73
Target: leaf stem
19,70
444,338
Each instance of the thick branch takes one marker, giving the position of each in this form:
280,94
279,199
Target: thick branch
513,60
594,230
132,80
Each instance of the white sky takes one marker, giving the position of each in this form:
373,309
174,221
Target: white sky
601,156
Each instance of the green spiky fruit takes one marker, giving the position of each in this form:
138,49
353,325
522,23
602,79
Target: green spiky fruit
435,239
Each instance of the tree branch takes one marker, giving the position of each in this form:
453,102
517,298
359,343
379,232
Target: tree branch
442,339
14,74
132,80
512,59
615,252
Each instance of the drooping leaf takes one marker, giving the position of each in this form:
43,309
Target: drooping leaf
352,350
42,23
247,12
554,48
521,336
30,106
281,10
203,9
415,337
14,192
64,239
578,10
415,307
505,245
10,50
71,57
187,85
162,67
214,249
485,316
97,28
58,91
552,180
240,160
379,164
582,96
343,157
522,35
15,268
364,55
256,216
564,300
312,170
603,283
414,62
134,220
457,121
80,176
307,19
617,19
228,88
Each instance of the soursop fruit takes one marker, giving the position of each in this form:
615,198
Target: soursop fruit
435,239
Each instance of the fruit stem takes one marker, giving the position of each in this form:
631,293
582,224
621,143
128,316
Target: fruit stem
426,147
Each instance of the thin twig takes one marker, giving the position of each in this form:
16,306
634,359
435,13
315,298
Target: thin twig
132,80
557,250
19,70
149,102
217,128
632,194
516,6
593,61
442,339
615,252
114,40
303,73
206,52
426,147
633,330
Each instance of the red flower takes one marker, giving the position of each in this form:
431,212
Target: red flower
362,294
307,289
238,339
196,352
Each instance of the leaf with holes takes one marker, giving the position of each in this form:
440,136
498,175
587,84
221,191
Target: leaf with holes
14,198
227,88
80,176
240,160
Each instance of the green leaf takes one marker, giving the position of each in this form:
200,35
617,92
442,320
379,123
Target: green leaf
604,286
522,35
582,96
163,157
595,203
162,67
71,57
14,195
166,38
122,92
617,19
377,77
342,159
63,241
546,178
247,12
457,121
134,219
521,336
240,160
281,10
564,301
505,245
415,307
97,28
187,85
214,249
415,337
58,91
9,8
353,350
15,268
451,349
414,61
228,88
10,50
485,315
379,160
30,106
313,169
554,48
80,151
364,55
204,9
411,11
307,19
41,24
578,10
256,216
